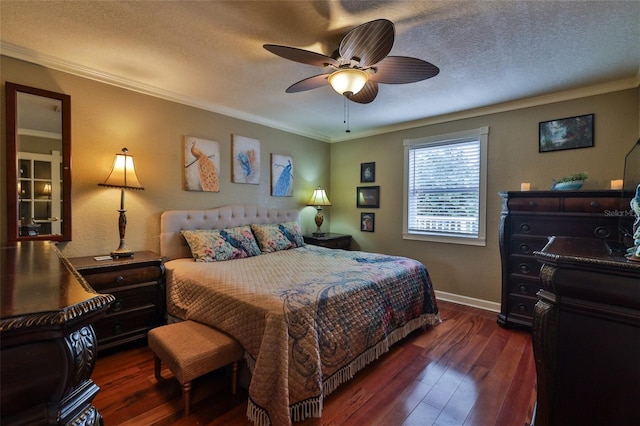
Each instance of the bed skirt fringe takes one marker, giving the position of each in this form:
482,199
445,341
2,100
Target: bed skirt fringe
313,406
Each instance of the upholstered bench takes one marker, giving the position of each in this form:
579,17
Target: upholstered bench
190,350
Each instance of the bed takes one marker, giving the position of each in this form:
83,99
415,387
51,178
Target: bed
308,317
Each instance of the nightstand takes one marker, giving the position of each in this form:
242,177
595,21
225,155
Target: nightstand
330,240
138,285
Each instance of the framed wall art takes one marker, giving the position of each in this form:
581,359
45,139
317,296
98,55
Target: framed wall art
246,160
368,196
281,175
201,164
566,133
367,172
367,222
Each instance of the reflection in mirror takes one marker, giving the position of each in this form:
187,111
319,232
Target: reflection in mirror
38,164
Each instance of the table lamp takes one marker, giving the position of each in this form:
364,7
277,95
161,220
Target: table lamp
123,176
318,200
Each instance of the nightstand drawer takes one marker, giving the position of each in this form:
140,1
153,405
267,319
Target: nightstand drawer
120,325
138,297
101,281
329,240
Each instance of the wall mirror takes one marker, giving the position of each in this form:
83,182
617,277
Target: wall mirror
38,164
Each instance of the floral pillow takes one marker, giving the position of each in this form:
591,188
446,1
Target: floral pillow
214,245
278,236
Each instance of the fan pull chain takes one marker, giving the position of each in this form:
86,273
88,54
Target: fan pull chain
346,112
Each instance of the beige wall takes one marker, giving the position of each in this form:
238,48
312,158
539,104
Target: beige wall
512,158
105,119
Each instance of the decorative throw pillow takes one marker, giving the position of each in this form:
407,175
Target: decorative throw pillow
215,245
278,236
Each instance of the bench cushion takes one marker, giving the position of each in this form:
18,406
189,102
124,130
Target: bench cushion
191,349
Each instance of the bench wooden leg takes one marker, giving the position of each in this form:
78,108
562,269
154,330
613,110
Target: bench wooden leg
157,364
186,397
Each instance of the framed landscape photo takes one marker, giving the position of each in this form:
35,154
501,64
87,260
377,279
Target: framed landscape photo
566,133
367,172
368,196
367,222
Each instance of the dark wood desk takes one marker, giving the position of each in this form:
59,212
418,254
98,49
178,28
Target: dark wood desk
586,335
48,347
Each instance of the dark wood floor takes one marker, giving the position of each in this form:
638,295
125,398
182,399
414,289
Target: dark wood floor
464,371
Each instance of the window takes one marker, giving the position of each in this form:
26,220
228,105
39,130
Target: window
445,187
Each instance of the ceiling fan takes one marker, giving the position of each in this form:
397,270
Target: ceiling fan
359,64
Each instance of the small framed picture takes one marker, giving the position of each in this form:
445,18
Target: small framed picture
368,196
367,222
566,133
367,172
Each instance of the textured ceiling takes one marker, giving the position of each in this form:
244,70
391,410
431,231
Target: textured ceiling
209,53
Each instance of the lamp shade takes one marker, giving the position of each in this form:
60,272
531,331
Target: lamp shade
348,81
319,198
123,173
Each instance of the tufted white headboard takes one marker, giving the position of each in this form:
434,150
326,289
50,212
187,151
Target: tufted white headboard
174,246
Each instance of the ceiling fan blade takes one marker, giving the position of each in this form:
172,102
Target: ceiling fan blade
368,43
367,94
402,70
300,55
308,83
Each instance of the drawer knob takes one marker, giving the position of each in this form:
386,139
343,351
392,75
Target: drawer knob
117,306
533,204
119,279
522,307
525,227
117,328
602,232
523,289
524,248
524,268
594,204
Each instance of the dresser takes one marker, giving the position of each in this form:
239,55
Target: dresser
47,339
586,336
528,218
138,285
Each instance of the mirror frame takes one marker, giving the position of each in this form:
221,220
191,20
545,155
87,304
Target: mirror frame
11,92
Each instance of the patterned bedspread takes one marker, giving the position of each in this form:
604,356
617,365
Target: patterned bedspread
309,318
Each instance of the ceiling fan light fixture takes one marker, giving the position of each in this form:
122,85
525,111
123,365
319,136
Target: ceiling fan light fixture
348,81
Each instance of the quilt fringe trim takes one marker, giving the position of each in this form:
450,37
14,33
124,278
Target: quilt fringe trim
312,407
347,372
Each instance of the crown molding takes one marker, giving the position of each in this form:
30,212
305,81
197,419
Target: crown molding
48,61
567,95
73,68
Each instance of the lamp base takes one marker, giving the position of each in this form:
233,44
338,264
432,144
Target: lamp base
117,254
318,234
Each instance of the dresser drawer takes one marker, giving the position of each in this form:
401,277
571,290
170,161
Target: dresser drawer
523,286
118,326
527,245
601,227
525,265
522,306
133,298
534,204
595,205
101,281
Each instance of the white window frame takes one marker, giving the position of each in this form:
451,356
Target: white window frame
481,134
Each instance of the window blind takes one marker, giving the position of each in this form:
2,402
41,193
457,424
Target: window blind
444,188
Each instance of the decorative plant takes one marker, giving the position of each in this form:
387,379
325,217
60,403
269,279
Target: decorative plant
578,176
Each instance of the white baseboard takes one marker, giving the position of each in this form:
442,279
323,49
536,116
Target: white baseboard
468,301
